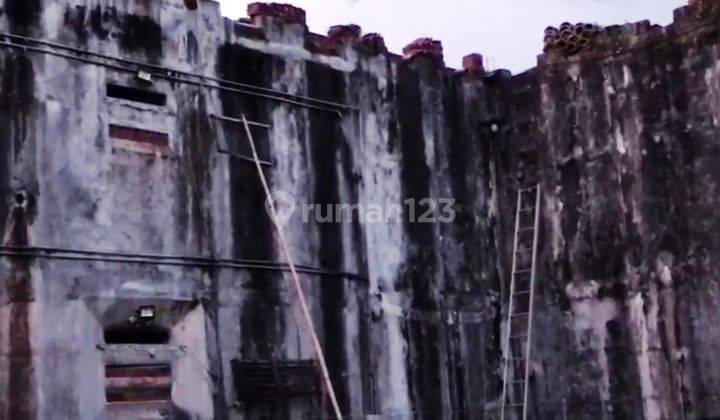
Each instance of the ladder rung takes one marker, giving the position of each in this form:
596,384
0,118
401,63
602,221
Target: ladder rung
524,270
520,314
516,405
534,187
526,209
522,292
527,229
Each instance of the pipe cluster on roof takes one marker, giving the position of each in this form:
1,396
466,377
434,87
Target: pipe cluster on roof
571,39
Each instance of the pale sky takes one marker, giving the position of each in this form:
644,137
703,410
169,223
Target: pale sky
508,33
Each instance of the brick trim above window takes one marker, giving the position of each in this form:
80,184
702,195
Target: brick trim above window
137,135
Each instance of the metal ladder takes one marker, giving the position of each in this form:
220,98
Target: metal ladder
520,308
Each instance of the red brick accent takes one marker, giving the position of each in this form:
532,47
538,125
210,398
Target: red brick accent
473,63
426,47
285,12
141,136
138,383
344,32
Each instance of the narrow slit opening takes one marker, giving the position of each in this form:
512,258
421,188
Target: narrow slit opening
136,95
134,334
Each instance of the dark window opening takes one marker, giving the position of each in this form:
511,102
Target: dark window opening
152,138
138,383
137,334
136,95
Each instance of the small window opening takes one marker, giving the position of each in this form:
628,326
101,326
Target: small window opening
137,334
136,95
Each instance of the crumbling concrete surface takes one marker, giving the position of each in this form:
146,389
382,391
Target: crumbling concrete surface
138,264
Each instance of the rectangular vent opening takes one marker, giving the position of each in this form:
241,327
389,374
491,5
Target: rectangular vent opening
138,383
153,138
258,382
136,95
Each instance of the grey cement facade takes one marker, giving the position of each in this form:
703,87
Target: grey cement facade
622,139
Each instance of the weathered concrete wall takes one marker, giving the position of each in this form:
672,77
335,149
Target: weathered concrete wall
409,314
624,140
86,192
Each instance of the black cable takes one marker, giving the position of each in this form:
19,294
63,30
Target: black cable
165,73
170,260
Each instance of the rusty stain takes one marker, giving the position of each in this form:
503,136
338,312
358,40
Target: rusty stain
21,398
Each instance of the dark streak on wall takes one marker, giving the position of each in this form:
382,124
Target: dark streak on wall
328,151
198,145
142,34
21,401
23,15
360,83
193,53
75,18
459,148
423,362
415,175
261,323
99,17
17,110
624,398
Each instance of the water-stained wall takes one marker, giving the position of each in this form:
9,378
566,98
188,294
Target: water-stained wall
624,142
127,181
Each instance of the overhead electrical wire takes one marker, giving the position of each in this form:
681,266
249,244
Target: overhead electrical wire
169,260
121,64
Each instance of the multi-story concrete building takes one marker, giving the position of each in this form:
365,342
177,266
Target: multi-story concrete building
142,276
